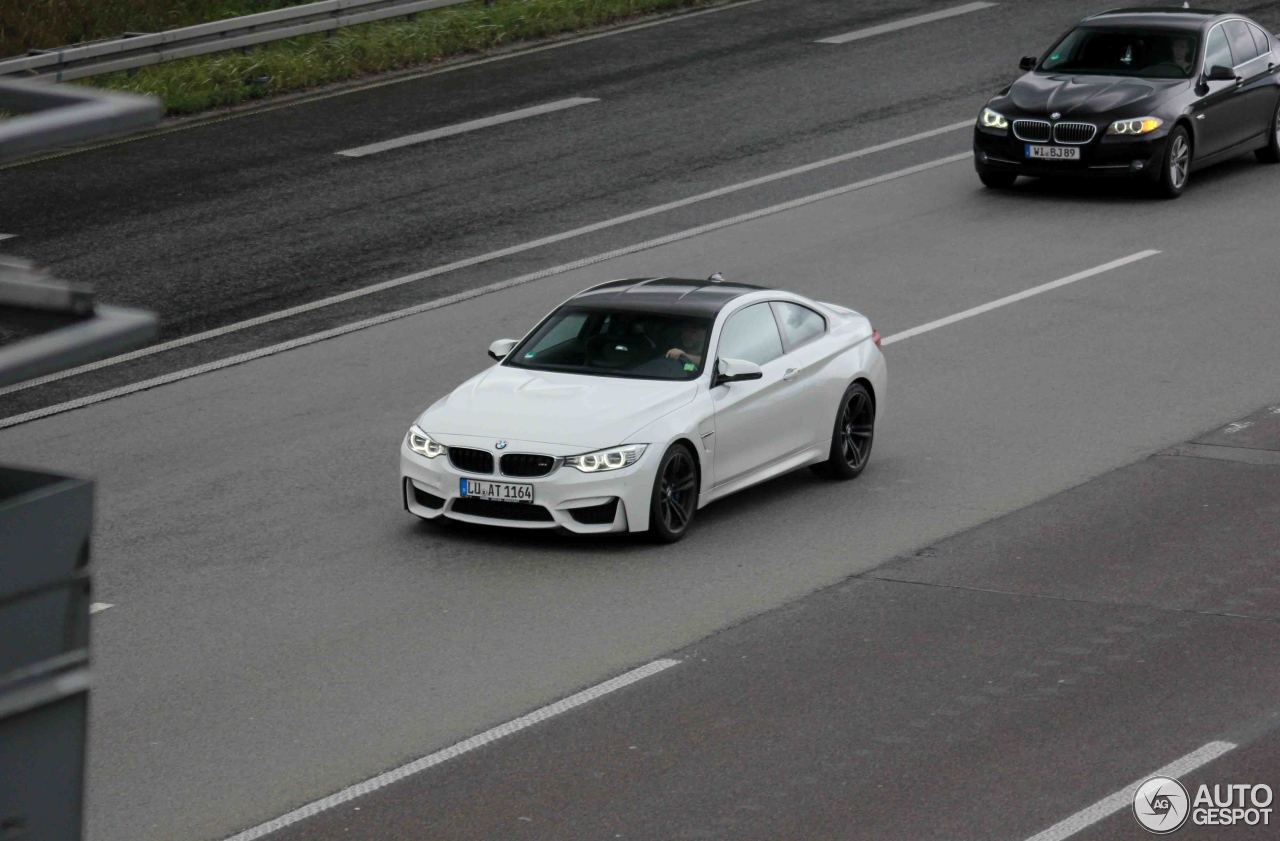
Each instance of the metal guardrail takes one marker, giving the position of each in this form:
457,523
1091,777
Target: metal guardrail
143,49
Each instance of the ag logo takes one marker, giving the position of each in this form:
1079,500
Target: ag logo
1161,805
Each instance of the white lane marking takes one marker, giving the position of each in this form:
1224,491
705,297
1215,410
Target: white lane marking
98,607
1018,296
295,99
463,128
449,300
1123,798
7,236
492,735
904,23
479,259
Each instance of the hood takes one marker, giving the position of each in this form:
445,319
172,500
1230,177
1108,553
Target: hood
1086,96
554,408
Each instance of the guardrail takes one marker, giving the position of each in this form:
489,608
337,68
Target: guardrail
142,49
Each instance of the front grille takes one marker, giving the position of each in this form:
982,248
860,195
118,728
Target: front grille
1033,131
426,500
526,464
596,515
472,461
1074,134
499,510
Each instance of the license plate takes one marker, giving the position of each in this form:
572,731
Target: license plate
1053,153
503,491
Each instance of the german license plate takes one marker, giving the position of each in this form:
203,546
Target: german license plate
1053,153
503,491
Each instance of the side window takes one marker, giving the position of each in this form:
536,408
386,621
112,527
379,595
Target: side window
1260,39
799,324
1217,53
1242,46
751,334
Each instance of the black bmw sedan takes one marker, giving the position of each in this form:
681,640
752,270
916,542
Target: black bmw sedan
1154,93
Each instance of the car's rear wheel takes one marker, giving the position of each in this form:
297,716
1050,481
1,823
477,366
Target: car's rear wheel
996,180
1175,169
855,429
1270,154
675,495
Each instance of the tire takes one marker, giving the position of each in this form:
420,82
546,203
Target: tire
1270,154
851,435
1175,164
996,180
674,499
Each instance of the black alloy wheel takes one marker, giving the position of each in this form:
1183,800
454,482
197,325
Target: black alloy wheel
1175,169
675,495
851,439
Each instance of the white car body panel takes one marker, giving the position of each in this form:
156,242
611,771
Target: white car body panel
741,433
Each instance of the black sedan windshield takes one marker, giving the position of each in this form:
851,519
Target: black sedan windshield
617,343
1125,52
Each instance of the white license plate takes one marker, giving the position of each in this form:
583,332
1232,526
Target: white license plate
1053,153
504,491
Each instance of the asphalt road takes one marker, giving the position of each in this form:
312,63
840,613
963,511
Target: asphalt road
281,628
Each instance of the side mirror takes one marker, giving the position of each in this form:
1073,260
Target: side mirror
499,349
1218,73
1028,62
735,371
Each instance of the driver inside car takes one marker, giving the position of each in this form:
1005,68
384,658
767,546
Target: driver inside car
690,345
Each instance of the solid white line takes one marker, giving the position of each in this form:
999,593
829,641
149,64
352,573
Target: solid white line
904,23
98,607
466,745
478,260
463,64
463,128
1018,296
449,300
7,236
1113,803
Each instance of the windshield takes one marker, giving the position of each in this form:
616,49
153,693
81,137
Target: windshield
617,343
1125,52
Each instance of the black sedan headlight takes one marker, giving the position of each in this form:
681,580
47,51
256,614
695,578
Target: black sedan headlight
1135,126
993,120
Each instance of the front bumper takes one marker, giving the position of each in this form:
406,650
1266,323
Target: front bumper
566,498
1105,155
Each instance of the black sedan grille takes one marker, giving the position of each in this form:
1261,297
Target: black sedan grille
472,461
1033,131
1074,134
498,510
526,464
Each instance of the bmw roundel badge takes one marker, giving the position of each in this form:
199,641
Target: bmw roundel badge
501,445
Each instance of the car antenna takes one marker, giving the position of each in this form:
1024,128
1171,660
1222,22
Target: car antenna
716,278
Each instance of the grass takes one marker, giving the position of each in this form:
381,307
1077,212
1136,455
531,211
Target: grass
29,24
221,79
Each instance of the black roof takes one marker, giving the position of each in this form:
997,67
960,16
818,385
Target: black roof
664,294
1173,17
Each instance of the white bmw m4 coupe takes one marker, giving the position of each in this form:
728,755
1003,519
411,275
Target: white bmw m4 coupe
637,402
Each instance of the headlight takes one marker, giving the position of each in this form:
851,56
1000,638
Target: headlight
615,458
993,119
421,443
1138,125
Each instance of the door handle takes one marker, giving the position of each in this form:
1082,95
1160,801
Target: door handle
789,374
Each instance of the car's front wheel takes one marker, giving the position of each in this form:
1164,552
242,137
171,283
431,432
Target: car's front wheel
855,429
1175,169
1270,154
675,495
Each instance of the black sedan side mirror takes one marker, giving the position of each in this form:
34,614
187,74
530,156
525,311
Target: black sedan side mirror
1028,62
1218,73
